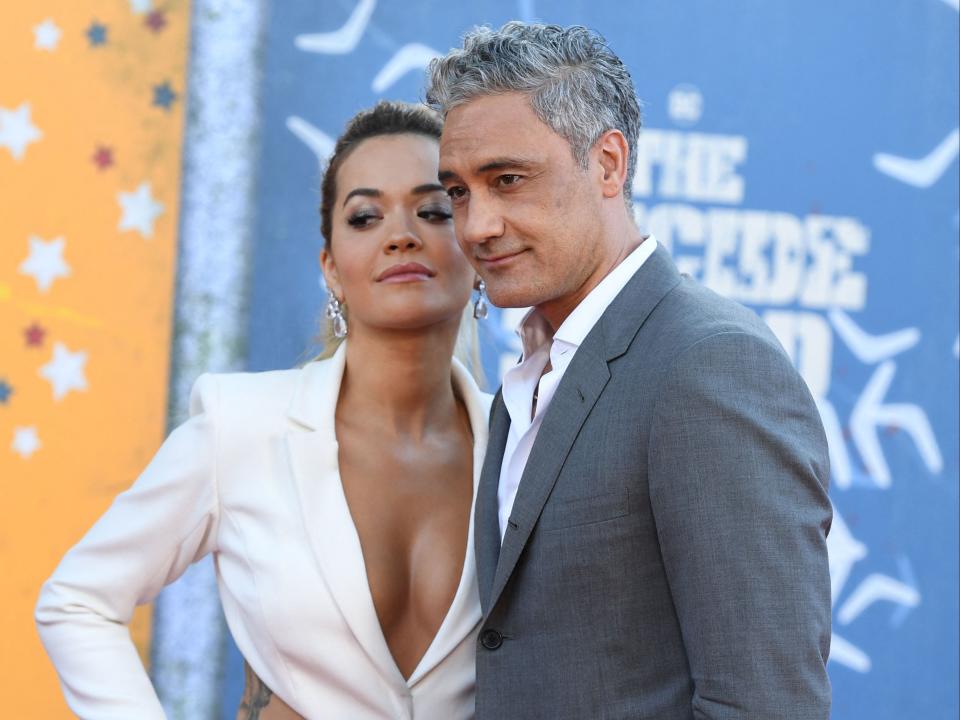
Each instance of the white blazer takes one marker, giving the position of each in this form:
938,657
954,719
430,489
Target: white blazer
253,478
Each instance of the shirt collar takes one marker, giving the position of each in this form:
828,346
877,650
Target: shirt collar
534,330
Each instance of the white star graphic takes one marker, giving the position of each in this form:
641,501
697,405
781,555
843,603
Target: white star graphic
17,131
65,371
139,7
140,210
45,262
46,35
25,441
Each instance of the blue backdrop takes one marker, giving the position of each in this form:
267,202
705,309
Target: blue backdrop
799,157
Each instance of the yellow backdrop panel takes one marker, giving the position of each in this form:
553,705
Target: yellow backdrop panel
91,120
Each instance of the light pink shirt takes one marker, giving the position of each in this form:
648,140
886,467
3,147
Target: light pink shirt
560,347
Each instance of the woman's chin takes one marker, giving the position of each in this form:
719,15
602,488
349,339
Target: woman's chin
412,321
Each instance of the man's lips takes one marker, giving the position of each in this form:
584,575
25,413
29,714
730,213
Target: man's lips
405,272
494,261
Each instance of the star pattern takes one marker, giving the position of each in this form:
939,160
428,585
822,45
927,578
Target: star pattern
65,371
45,262
25,441
97,34
140,210
34,335
139,7
156,21
77,200
46,36
17,130
164,96
103,157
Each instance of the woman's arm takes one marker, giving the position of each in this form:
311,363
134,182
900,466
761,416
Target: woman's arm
259,702
146,539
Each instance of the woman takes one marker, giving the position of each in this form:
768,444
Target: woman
336,498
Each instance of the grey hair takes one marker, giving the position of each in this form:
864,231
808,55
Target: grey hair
576,84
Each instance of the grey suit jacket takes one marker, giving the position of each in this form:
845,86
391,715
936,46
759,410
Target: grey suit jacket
666,553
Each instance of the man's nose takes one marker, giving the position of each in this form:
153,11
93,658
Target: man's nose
480,221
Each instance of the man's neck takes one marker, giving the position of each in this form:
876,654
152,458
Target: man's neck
557,310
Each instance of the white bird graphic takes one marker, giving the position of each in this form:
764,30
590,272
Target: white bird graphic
344,40
414,56
871,349
313,137
925,171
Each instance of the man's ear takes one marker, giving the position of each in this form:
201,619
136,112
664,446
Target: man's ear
613,154
330,275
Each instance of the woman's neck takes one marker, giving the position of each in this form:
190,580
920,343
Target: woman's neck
400,382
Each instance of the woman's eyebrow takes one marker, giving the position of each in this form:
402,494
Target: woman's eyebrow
427,188
365,192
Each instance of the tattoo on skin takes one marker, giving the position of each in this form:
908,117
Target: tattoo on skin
256,696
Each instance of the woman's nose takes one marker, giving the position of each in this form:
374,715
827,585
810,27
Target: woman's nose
402,236
405,241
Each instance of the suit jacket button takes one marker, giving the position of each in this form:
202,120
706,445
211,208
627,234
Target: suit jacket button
491,639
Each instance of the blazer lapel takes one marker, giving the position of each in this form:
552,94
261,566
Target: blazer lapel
463,614
575,397
487,522
313,452
577,393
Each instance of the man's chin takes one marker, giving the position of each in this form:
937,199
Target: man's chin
512,297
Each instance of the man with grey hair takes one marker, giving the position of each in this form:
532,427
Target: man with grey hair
652,515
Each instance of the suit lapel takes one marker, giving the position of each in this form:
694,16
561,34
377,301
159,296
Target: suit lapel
575,397
577,393
313,452
487,523
463,613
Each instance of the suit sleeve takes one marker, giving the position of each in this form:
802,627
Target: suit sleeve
738,472
145,540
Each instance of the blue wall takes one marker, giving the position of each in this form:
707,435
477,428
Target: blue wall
799,157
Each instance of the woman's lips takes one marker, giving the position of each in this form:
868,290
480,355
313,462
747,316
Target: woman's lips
405,272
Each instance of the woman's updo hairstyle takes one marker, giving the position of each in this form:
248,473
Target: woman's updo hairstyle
387,117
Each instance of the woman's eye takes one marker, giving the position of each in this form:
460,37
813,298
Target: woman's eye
361,219
435,214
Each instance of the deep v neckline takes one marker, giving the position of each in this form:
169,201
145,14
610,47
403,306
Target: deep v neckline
355,549
313,453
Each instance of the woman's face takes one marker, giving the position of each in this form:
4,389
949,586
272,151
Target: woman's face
393,258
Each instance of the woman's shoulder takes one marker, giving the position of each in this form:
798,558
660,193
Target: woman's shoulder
257,396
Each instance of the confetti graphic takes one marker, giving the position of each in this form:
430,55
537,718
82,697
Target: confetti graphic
89,184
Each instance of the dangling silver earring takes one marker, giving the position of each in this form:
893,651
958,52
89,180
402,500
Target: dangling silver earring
480,308
334,313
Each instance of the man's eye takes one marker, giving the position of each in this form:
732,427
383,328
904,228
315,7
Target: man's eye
455,192
508,179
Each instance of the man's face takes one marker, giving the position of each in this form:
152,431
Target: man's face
526,214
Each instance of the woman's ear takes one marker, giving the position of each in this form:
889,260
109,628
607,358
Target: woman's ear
330,275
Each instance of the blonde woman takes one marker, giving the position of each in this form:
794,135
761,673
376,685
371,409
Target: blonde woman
336,498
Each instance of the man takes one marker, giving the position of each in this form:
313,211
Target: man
652,516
